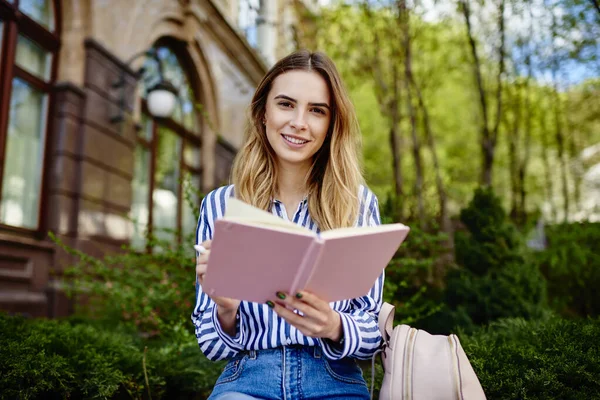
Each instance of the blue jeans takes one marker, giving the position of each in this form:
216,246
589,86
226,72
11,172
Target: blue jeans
290,373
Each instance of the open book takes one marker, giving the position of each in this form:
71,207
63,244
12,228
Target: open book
254,254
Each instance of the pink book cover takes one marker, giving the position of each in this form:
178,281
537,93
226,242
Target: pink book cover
347,267
251,263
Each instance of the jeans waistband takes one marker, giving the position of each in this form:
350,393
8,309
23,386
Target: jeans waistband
315,351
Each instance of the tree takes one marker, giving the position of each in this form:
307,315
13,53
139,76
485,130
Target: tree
519,106
545,134
365,54
558,122
596,5
489,131
409,84
415,85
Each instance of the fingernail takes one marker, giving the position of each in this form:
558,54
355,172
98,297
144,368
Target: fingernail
280,295
298,295
270,303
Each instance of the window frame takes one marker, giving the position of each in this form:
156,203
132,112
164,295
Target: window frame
151,145
17,23
187,137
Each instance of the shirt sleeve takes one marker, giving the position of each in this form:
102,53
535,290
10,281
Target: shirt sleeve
213,341
361,337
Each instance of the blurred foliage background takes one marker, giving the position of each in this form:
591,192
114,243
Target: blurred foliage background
481,131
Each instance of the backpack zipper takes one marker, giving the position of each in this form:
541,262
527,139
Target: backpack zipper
455,367
408,361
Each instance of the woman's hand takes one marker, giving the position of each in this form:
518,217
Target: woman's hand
317,318
227,308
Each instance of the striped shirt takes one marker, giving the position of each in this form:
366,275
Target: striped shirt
258,327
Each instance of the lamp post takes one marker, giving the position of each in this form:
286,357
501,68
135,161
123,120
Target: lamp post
161,97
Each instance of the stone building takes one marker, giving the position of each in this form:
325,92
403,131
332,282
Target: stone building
81,154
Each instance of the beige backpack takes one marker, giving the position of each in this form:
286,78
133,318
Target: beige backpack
420,366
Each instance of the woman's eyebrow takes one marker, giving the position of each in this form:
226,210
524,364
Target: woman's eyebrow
283,96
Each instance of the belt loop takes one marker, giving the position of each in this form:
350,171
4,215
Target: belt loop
252,354
317,352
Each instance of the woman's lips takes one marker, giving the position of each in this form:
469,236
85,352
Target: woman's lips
293,141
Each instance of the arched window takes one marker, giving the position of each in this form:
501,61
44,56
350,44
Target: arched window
30,38
167,160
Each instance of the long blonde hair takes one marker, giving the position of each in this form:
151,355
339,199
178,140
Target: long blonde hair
335,176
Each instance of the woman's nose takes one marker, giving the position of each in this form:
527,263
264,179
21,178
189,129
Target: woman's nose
298,122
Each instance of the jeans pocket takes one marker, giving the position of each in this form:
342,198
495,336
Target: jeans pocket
232,370
345,370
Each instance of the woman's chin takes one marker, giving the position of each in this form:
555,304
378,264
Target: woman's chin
293,159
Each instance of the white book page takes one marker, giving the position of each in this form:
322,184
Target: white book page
239,211
365,230
273,227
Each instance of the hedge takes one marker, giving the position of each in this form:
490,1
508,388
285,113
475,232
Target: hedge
80,360
552,358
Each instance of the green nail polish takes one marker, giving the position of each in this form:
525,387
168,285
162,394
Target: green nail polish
298,295
281,295
270,303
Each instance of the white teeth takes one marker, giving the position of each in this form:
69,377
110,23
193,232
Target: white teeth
294,140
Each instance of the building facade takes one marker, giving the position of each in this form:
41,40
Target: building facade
80,154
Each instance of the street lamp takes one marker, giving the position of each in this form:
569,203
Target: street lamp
161,97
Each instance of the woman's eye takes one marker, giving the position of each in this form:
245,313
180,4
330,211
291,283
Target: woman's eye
319,111
285,104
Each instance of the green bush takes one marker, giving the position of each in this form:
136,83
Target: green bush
408,277
41,358
412,275
571,265
551,358
514,290
492,241
125,303
495,278
148,292
78,360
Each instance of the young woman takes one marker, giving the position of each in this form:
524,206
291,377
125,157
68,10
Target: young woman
300,162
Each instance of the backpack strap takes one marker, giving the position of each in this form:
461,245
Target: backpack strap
386,325
386,321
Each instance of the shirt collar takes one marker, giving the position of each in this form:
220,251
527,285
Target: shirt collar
303,202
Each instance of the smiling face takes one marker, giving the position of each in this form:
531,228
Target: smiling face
297,117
